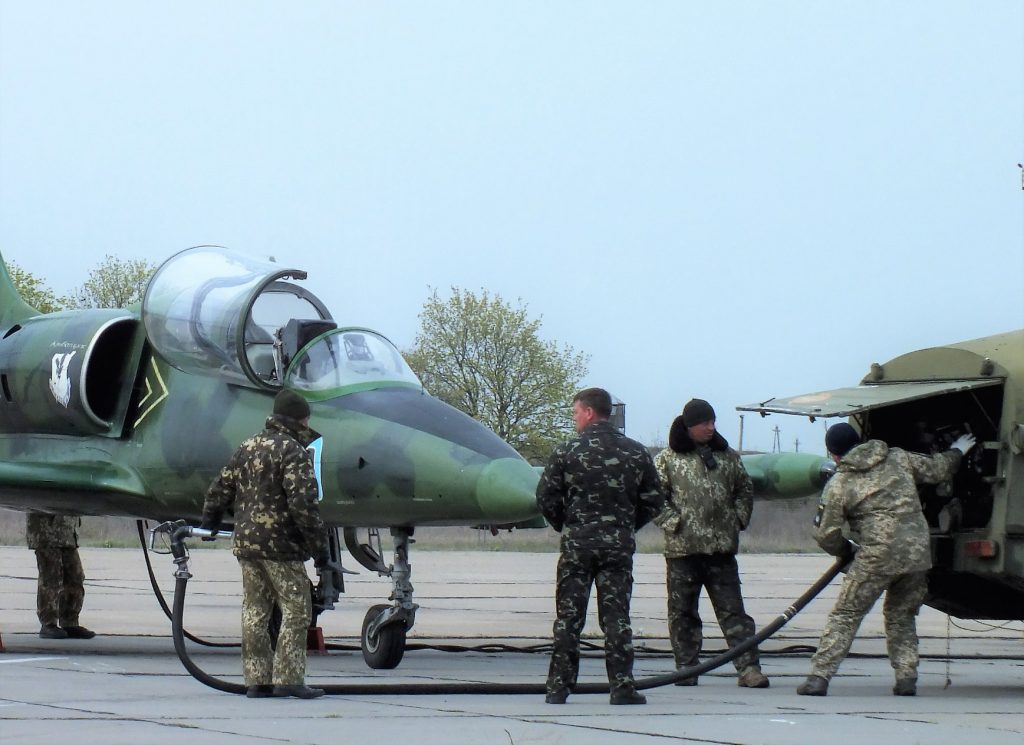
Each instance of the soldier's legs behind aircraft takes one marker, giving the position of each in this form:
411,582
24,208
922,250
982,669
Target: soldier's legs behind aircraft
902,603
722,580
684,578
856,596
614,582
574,576
48,592
72,595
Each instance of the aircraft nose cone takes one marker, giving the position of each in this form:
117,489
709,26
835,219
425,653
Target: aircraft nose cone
506,491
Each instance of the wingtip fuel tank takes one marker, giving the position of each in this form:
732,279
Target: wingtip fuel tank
787,475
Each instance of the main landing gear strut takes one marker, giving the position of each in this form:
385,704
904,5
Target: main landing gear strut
385,626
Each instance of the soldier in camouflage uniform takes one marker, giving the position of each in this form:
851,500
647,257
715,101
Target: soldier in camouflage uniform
61,589
874,490
270,485
597,490
710,501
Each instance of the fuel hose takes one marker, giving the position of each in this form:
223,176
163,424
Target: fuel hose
453,688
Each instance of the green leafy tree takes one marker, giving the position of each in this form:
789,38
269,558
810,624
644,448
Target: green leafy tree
33,291
485,357
115,283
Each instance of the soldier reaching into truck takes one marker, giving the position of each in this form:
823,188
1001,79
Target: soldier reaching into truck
874,490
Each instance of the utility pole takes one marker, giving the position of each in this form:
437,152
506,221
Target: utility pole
796,444
740,449
776,445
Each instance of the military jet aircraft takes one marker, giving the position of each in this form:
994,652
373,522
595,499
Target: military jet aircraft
133,412
922,401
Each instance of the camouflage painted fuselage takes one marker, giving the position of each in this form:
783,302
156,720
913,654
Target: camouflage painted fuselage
391,456
135,411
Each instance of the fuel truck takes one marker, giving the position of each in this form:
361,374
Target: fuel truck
921,402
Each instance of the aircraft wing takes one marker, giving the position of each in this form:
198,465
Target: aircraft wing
845,402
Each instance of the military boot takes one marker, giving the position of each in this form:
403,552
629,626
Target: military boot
557,696
79,632
815,685
259,691
626,696
905,687
52,631
686,681
296,691
752,677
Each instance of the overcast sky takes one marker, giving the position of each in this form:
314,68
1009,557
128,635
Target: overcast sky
728,200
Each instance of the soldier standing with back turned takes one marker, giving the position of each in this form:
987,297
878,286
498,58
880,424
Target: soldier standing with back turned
271,486
710,501
60,593
597,490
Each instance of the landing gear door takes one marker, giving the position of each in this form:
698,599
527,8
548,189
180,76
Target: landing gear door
198,312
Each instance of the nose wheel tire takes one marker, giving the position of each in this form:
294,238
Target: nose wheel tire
385,649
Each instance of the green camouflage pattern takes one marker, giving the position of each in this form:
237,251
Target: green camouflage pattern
874,491
706,509
904,594
271,487
719,574
611,572
60,592
264,583
43,530
597,489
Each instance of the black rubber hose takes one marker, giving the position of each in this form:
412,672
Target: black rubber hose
160,596
179,644
378,689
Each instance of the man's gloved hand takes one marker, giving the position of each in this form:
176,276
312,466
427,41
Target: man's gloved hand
848,550
963,443
323,558
211,525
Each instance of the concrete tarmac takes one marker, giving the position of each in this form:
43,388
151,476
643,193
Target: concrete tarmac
127,684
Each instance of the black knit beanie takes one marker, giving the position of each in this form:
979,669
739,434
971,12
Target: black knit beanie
697,411
291,404
841,438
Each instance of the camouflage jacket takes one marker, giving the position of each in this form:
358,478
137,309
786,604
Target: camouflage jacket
43,530
707,507
270,485
599,488
874,491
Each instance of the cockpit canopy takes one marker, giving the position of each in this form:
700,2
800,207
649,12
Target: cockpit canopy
209,310
344,358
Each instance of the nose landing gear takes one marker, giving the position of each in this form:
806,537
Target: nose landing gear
385,626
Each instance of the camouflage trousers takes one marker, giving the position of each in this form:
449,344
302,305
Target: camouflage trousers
61,589
719,574
611,571
264,583
904,594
